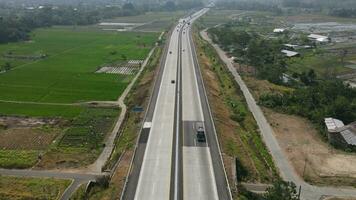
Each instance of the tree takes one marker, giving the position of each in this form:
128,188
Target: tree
308,78
241,171
128,6
170,5
282,190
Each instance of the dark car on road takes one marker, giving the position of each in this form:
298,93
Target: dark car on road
200,131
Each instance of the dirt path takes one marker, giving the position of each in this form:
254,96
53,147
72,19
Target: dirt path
109,143
83,175
312,157
288,173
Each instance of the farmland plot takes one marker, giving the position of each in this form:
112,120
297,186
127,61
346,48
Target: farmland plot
67,74
56,86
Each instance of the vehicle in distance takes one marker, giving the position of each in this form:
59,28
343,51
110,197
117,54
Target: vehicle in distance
200,131
170,52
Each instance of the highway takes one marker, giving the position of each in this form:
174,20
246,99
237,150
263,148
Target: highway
169,162
198,174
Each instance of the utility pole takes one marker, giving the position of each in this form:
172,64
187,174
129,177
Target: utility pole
300,191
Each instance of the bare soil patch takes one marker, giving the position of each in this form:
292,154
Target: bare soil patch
306,150
27,138
67,158
24,133
16,122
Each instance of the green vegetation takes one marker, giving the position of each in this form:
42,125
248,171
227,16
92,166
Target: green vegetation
280,190
247,145
89,128
252,49
37,110
137,97
79,194
250,39
323,99
18,158
82,141
66,75
216,17
125,143
153,21
16,23
325,65
31,188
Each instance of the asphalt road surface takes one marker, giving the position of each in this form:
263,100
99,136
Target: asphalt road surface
198,174
169,162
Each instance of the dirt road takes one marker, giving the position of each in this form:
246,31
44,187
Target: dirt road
309,192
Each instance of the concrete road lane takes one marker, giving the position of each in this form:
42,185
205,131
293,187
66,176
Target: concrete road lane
155,176
198,174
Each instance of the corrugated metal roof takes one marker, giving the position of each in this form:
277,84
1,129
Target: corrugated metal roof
279,30
290,53
332,123
349,136
316,36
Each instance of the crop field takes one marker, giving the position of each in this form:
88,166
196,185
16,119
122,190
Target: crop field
31,188
153,21
216,17
89,128
50,76
67,75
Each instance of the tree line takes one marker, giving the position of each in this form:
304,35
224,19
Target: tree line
254,50
324,98
16,22
311,97
256,5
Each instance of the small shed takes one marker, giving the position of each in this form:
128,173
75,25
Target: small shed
319,38
291,46
279,30
290,53
339,134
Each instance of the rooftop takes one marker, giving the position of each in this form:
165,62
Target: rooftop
349,133
279,30
319,38
332,124
290,53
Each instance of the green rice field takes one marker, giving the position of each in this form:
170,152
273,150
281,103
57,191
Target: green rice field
67,72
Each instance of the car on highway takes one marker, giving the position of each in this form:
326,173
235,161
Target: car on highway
200,131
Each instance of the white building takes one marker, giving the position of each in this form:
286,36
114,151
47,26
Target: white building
290,53
319,38
279,30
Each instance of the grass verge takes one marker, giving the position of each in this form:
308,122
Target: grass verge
125,144
31,188
236,128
